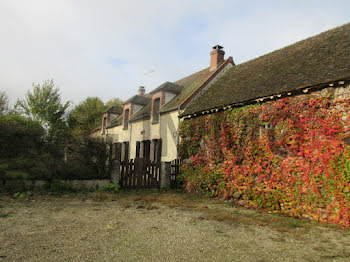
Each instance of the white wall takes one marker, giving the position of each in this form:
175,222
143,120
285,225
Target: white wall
169,127
166,129
140,131
118,134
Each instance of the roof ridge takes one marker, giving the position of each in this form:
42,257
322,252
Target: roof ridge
296,43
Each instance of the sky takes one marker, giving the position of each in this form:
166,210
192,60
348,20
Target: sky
108,48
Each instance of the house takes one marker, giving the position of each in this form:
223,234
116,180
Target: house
274,132
107,116
319,62
147,126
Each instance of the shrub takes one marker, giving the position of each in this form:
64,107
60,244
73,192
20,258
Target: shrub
19,136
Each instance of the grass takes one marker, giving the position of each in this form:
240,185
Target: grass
218,210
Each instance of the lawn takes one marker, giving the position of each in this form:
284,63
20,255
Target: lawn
158,226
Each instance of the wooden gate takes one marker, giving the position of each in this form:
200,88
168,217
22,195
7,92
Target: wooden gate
140,174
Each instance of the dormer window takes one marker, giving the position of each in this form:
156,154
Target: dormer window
133,105
156,107
110,114
126,118
161,96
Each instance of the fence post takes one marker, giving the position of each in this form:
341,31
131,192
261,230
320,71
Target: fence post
115,173
165,175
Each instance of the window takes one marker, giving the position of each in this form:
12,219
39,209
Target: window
267,125
138,144
146,150
157,150
125,151
156,106
264,128
126,118
143,150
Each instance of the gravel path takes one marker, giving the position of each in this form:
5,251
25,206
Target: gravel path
158,227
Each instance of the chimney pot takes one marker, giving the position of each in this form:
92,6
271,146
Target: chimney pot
216,57
141,91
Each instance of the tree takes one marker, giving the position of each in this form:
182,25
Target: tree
86,115
44,105
114,102
4,103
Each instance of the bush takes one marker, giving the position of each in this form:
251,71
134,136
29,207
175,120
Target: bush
27,154
19,136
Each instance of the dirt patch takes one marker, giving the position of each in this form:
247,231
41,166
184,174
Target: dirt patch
153,226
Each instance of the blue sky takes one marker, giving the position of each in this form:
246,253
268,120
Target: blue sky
108,48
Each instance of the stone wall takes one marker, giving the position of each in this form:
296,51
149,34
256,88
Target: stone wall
76,184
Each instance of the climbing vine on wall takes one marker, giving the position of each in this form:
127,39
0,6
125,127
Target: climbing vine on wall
288,156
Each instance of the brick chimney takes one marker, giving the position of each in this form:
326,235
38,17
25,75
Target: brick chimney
141,91
216,56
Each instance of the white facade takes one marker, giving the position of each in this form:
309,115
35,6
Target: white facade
143,131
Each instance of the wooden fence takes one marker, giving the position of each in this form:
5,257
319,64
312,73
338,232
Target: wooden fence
139,174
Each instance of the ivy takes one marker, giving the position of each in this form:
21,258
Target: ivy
286,156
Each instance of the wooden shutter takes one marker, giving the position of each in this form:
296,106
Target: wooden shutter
138,144
147,150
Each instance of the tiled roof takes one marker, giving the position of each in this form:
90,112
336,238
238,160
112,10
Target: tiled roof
114,109
187,86
115,122
190,84
143,113
316,60
168,86
140,100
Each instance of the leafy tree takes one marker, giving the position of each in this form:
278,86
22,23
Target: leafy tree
4,103
86,115
114,102
44,105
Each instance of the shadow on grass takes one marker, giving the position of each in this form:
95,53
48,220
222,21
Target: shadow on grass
213,209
